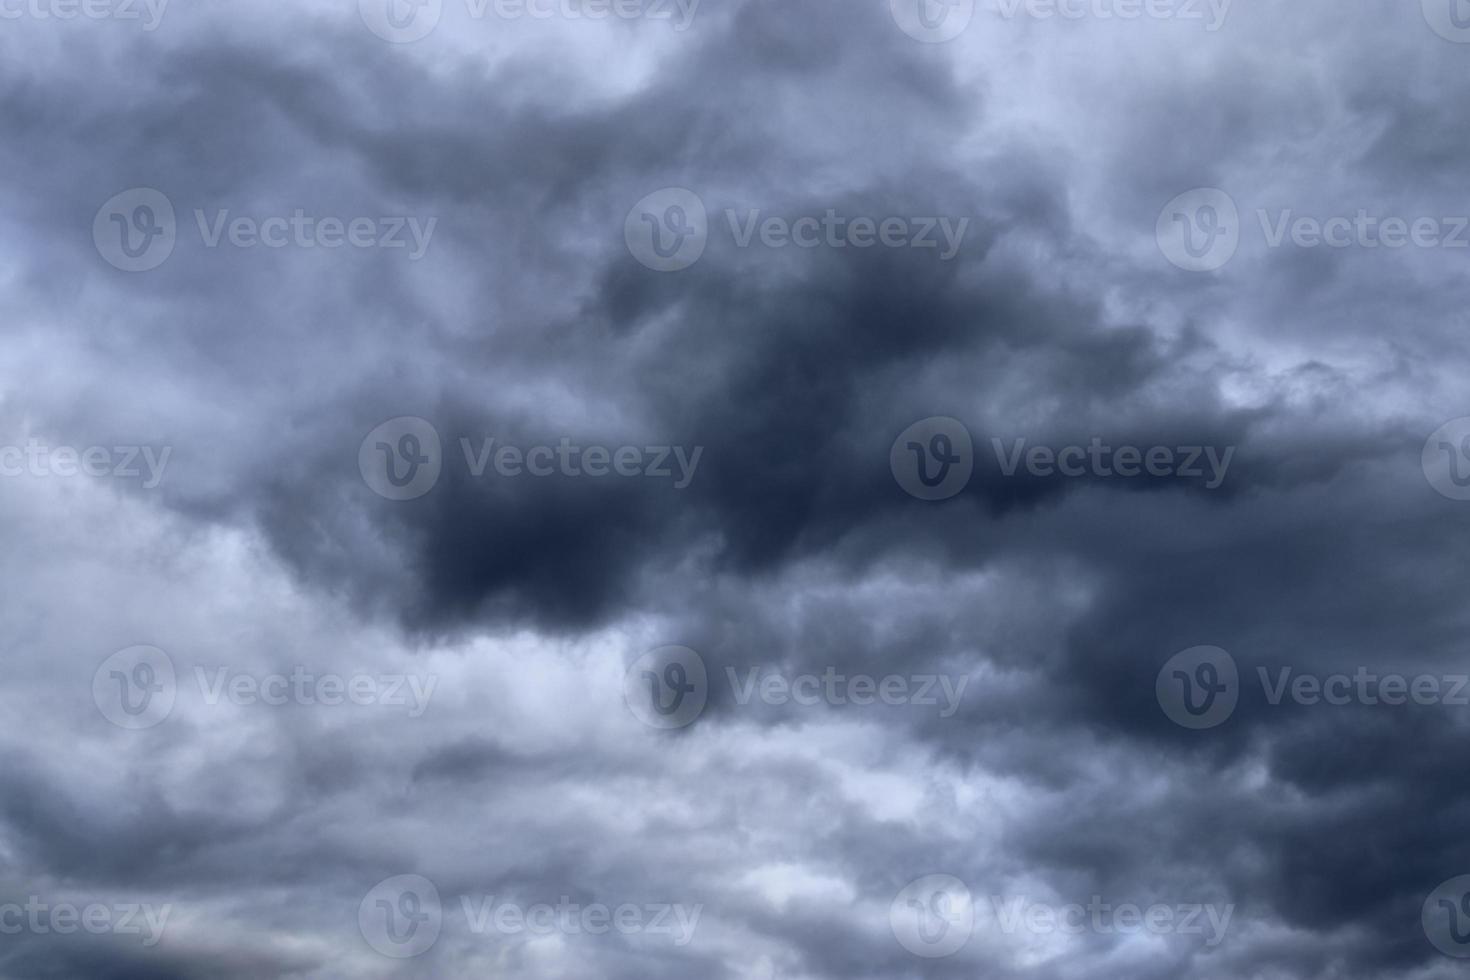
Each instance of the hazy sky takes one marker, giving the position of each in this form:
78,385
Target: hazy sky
800,490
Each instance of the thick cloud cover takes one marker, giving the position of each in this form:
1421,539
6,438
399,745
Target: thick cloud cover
516,758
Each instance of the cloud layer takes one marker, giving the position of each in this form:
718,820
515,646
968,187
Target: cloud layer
379,483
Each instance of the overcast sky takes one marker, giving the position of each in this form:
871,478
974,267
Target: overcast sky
751,489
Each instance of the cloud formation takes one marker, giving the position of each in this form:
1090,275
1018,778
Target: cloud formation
652,489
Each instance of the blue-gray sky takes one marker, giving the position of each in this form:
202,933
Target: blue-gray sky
249,249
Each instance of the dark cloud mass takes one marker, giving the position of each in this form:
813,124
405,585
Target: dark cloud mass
762,491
